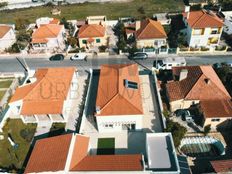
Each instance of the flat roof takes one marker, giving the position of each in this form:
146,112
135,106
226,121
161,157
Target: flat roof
161,153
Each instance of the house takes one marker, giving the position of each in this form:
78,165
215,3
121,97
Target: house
227,15
72,153
222,166
119,101
93,32
45,96
7,36
204,28
48,38
163,18
150,33
200,85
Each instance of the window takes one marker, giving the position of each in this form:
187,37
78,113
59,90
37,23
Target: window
198,31
84,41
214,31
98,40
215,119
130,84
108,125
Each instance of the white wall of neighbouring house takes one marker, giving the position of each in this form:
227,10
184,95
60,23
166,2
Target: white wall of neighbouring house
8,40
117,121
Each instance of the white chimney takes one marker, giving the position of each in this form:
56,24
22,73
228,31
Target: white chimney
137,25
183,74
207,80
98,109
187,10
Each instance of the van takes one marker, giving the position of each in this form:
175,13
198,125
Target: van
168,63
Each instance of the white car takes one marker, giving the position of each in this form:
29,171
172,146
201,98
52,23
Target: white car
79,56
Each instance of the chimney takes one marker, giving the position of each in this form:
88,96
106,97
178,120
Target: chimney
207,80
187,10
98,109
183,74
137,25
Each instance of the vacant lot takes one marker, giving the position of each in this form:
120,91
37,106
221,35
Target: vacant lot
136,8
13,159
5,83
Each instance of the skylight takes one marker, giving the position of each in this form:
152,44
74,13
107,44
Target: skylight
130,84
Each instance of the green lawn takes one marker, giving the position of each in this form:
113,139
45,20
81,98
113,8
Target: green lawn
5,83
111,10
22,135
57,129
2,94
105,146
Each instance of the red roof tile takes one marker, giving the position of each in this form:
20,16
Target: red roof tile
194,87
203,19
222,166
3,30
150,29
113,93
91,30
47,94
110,163
49,154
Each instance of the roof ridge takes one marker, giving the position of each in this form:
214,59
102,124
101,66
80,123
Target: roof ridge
47,26
142,29
198,18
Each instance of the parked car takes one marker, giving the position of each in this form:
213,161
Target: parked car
57,57
168,63
79,56
138,55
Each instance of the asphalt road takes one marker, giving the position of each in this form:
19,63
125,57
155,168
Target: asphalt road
12,65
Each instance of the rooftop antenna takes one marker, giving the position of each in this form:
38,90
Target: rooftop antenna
23,64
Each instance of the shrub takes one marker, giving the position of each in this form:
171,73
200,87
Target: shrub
141,10
27,134
3,4
21,23
178,131
102,48
72,41
14,48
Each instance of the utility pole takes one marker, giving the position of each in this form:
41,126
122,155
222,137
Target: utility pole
23,64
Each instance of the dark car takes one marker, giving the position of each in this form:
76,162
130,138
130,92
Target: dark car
138,56
57,57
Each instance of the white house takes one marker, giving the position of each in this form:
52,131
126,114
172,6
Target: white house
204,28
46,20
45,96
7,36
119,102
49,38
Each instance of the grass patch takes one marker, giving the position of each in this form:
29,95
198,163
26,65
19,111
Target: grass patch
13,159
5,83
2,93
57,129
105,146
111,10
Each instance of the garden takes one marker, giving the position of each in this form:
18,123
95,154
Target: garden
105,146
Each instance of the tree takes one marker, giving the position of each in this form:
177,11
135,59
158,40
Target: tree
72,41
178,131
21,24
207,129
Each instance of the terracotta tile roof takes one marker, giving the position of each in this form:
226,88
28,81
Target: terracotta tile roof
203,19
45,32
222,166
113,93
47,94
216,108
49,154
54,21
150,29
91,30
195,86
3,30
111,163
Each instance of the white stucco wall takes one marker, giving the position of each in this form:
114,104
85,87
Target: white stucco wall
117,122
8,40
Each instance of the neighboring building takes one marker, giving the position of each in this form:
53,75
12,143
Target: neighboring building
227,22
49,38
222,166
150,33
46,20
202,3
163,18
7,36
72,153
93,32
204,28
200,85
119,101
45,96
